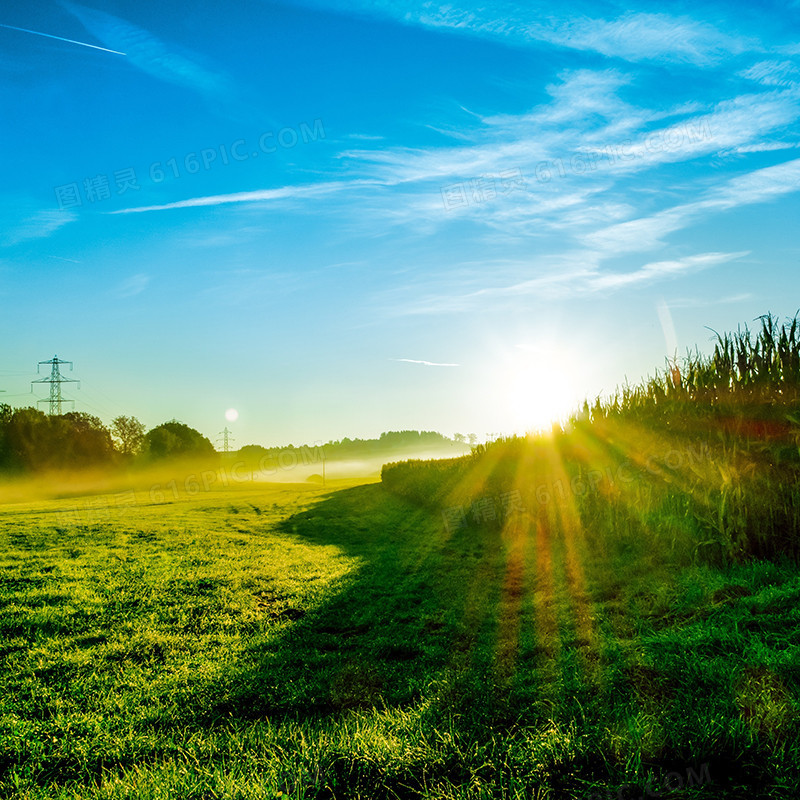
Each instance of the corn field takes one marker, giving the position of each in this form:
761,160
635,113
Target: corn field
700,462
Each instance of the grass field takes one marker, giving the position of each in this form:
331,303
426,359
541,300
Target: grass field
263,641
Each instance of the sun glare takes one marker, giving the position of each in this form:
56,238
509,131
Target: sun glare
538,385
231,415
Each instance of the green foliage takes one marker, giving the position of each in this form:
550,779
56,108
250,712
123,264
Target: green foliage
427,482
33,440
174,439
744,372
129,435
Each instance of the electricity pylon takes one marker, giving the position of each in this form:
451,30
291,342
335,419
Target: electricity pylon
55,379
227,438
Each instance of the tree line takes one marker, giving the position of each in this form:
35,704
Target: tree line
31,440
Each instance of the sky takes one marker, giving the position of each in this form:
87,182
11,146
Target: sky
339,219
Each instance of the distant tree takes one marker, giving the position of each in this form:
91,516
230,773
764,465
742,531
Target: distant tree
33,440
6,413
173,439
85,441
253,451
459,438
30,440
128,433
473,439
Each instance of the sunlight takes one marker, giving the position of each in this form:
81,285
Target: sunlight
536,385
231,415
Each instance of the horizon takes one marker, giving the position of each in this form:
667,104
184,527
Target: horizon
338,220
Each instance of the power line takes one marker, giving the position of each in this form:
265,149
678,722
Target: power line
55,379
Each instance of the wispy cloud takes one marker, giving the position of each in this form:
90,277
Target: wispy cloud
646,233
239,286
632,36
586,116
765,147
697,302
39,225
68,260
658,270
584,121
570,275
153,56
366,137
132,286
257,196
773,73
424,363
639,36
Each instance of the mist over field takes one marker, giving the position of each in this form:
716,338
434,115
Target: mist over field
178,473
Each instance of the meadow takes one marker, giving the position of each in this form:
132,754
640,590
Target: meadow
608,611
300,642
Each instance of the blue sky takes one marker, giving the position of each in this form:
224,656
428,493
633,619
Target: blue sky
344,218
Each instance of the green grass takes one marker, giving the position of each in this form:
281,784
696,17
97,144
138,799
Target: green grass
292,641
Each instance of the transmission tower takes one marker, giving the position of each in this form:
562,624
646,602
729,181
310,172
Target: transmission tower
227,438
55,379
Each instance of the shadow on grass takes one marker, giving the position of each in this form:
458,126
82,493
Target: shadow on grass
422,603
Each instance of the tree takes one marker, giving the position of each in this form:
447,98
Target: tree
29,440
6,414
253,452
173,439
84,439
128,433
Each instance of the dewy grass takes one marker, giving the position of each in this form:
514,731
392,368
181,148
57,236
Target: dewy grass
346,644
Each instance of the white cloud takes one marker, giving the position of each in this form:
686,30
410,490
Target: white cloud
574,274
633,36
639,36
132,286
765,147
773,73
647,233
258,196
39,225
424,363
696,302
153,56
657,270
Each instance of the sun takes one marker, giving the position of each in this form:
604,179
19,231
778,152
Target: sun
535,386
231,415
